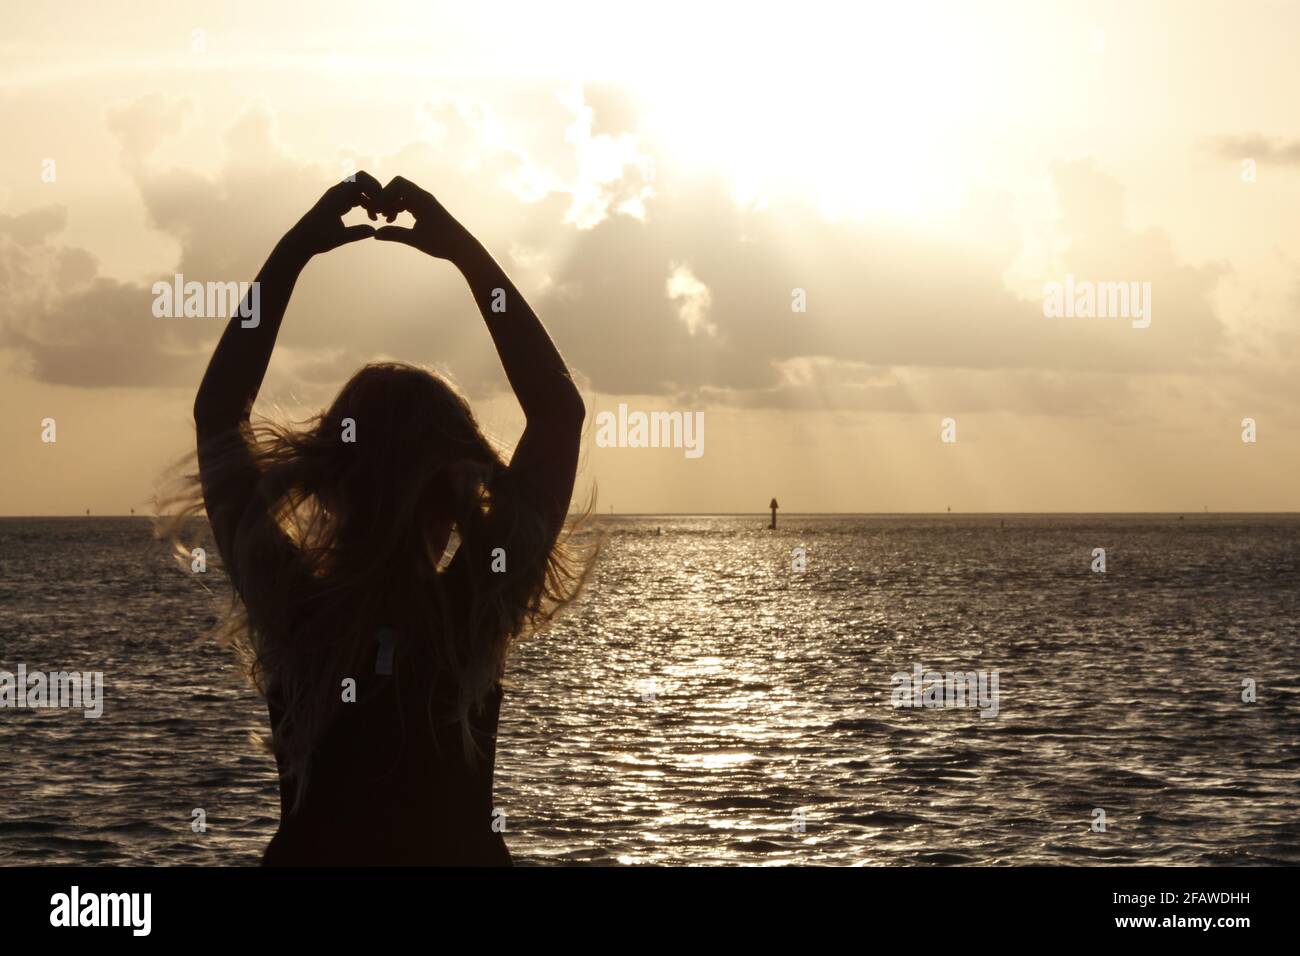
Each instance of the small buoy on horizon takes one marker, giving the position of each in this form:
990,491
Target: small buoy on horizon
773,506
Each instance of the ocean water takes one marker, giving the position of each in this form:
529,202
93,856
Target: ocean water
705,703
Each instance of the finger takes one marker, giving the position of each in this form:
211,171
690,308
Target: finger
360,189
391,199
395,234
371,190
353,233
369,184
400,195
341,197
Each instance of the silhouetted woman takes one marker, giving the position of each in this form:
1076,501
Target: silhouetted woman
381,662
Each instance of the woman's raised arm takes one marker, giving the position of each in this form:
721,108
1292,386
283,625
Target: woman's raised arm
547,455
234,376
238,365
533,365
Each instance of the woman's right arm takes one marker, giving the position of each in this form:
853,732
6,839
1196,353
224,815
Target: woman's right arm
239,363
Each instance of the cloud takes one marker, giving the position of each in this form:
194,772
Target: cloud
1259,148
692,298
878,295
820,383
613,174
596,161
72,326
142,125
652,282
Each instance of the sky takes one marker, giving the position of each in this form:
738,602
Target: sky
828,229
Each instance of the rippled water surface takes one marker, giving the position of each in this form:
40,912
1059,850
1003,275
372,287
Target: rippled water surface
703,700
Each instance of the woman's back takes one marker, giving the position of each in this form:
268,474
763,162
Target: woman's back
389,784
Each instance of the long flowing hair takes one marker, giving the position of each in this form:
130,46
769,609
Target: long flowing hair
340,536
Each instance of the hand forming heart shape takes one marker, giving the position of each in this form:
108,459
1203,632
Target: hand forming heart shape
436,232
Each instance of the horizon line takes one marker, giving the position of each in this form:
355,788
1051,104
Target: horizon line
765,513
